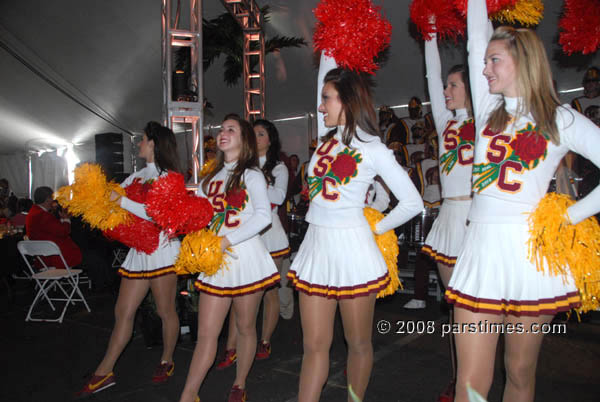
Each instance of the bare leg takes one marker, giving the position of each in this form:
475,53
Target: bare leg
271,308
445,274
357,317
164,290
476,353
231,331
246,309
131,294
317,315
212,311
520,358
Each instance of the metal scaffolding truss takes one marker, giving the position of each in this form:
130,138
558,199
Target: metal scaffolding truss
178,111
248,15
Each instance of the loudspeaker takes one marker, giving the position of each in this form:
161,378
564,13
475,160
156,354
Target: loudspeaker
109,154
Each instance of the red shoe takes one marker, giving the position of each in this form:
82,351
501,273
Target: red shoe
163,372
96,384
448,394
264,350
228,360
237,394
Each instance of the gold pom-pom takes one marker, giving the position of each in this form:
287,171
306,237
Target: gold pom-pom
388,245
88,197
200,252
524,12
208,167
557,247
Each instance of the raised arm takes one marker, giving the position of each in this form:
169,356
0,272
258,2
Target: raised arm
326,64
479,30
435,85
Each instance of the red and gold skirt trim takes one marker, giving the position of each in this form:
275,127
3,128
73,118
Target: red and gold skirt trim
438,257
239,290
344,292
155,273
516,308
281,253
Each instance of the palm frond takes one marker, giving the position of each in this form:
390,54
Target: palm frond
277,43
233,68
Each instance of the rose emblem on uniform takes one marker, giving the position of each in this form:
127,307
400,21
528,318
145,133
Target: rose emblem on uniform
529,146
466,132
458,146
236,198
343,168
521,153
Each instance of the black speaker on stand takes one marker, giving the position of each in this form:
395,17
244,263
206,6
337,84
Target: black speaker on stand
109,155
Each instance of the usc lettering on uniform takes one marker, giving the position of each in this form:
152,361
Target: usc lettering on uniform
223,215
508,156
331,171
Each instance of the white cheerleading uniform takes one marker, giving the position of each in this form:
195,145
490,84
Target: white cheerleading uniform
251,269
139,265
274,236
339,257
456,133
511,174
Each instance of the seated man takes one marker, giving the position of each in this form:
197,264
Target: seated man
42,225
23,207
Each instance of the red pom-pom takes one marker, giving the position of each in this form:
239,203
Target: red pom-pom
174,209
580,26
493,6
141,234
448,22
352,32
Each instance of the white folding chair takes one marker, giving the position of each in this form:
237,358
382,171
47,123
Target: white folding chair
119,255
66,280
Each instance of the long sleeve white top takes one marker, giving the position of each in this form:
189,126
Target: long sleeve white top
455,152
510,174
239,224
277,191
146,175
339,201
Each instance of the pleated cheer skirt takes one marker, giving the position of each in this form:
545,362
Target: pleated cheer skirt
138,265
339,263
446,236
275,238
253,270
494,275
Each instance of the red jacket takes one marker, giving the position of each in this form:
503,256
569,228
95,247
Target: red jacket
42,225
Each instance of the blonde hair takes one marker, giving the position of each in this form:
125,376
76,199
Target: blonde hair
534,82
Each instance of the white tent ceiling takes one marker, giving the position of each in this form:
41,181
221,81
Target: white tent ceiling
102,58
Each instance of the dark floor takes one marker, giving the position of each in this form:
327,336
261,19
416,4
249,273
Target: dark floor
49,361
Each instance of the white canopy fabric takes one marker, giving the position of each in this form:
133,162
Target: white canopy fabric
74,68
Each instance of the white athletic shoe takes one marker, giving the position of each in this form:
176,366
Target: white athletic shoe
415,304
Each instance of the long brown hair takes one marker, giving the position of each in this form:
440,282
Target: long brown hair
165,146
274,149
464,75
354,90
534,82
248,158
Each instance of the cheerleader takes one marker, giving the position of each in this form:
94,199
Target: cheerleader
141,271
452,115
338,262
237,189
523,133
274,238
